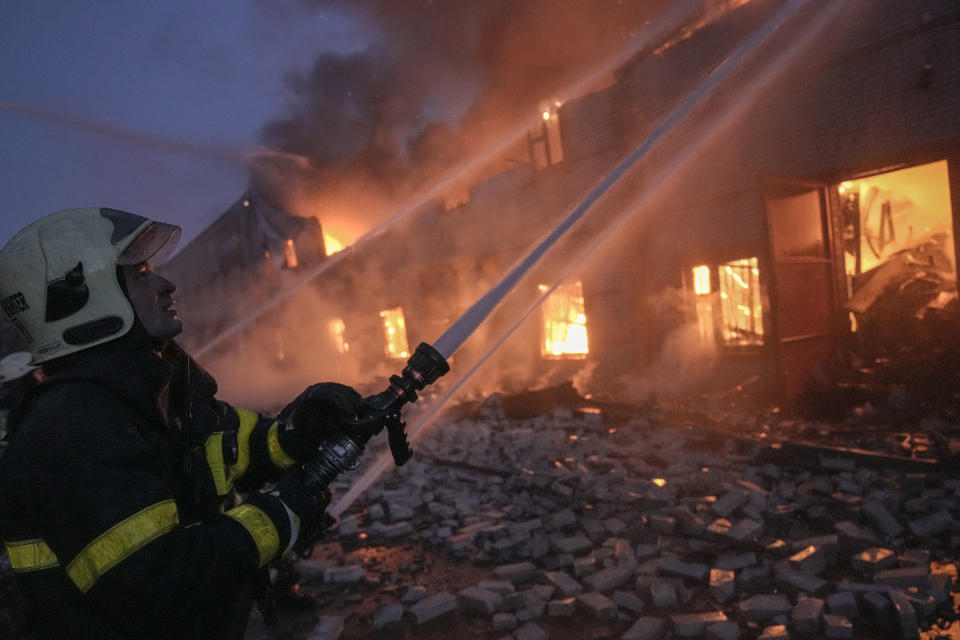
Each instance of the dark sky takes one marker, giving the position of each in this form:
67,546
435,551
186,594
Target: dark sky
145,106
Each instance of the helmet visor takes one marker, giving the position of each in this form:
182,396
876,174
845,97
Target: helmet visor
155,244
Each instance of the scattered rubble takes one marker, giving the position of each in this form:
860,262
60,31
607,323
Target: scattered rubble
580,526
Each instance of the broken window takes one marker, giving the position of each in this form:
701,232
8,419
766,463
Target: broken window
740,302
545,141
395,332
338,332
898,236
564,322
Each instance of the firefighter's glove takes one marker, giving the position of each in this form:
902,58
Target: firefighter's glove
318,414
296,503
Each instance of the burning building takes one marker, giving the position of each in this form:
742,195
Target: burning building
801,190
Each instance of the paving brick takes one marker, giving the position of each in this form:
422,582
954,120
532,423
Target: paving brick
531,612
608,579
855,537
662,523
811,560
873,560
344,575
517,573
775,632
673,565
602,607
560,520
328,628
387,614
530,631
628,601
876,606
915,558
763,607
725,630
625,556
693,625
646,629
736,561
881,518
504,622
932,525
663,595
745,530
837,627
477,600
562,608
843,603
584,566
904,614
806,615
793,579
433,607
414,594
727,505
573,544
558,561
564,583
905,578
391,531
503,587
722,584
755,578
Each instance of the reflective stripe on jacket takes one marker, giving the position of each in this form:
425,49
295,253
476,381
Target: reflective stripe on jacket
111,498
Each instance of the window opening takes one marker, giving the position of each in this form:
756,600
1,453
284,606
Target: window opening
898,235
740,302
564,322
395,332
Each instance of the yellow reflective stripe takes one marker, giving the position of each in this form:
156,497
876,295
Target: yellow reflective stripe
213,448
121,541
30,555
248,420
261,529
278,456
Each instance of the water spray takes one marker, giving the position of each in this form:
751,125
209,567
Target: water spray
428,363
666,174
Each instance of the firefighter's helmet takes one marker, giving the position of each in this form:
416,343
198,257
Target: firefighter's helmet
14,366
58,277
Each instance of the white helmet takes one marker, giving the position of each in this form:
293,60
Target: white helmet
58,277
15,366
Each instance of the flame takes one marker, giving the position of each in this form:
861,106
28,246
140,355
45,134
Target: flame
332,244
701,279
395,332
290,254
564,322
338,330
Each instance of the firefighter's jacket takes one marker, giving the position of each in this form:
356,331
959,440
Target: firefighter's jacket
111,499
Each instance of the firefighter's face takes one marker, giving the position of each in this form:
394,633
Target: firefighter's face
151,296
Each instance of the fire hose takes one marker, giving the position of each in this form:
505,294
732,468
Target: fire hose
342,452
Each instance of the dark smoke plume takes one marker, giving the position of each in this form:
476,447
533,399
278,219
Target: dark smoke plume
445,77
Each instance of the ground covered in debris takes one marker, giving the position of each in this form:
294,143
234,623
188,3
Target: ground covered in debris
642,523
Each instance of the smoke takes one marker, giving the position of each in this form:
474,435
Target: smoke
441,80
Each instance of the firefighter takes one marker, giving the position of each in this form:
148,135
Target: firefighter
17,376
112,489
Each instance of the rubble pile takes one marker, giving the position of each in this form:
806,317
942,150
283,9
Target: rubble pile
582,529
